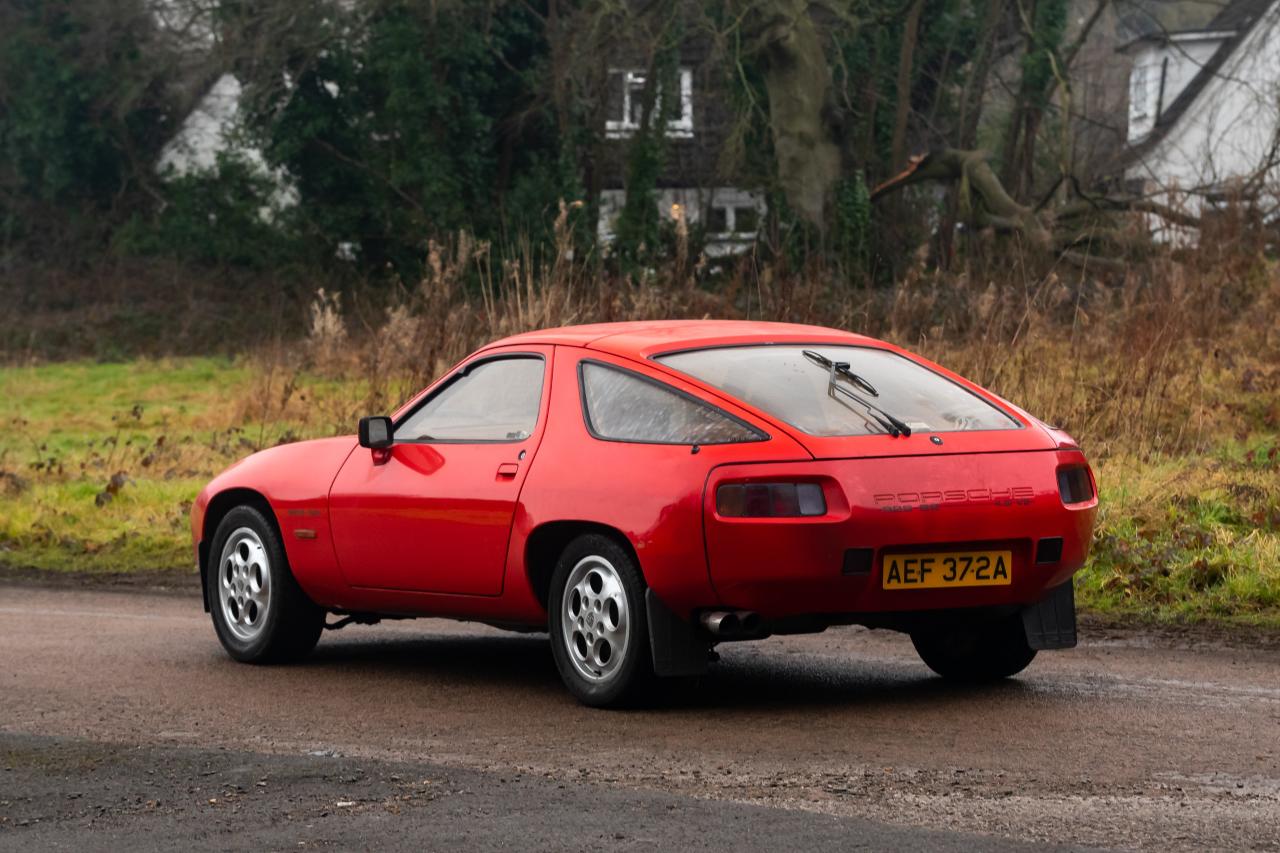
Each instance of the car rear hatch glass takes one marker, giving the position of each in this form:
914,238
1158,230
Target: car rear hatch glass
848,401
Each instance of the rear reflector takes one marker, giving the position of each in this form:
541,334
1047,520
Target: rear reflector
1049,550
857,561
770,500
1074,484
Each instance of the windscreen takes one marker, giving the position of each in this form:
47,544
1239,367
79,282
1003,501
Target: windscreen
791,383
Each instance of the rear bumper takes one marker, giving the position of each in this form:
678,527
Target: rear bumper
833,564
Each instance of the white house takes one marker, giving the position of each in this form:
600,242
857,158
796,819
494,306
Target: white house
1204,112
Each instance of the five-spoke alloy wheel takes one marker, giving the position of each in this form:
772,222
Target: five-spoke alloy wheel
599,637
259,611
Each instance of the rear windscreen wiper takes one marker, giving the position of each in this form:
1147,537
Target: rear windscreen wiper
840,370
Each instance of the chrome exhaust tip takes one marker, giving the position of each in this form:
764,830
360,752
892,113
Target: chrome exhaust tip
721,623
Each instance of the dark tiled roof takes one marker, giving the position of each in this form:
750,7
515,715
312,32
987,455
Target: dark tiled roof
1238,18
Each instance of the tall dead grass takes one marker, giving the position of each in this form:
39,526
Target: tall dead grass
1169,357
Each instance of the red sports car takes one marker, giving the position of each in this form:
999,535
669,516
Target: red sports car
644,491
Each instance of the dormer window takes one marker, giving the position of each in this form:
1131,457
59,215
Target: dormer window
626,101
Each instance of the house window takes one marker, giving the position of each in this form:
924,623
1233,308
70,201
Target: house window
733,214
718,220
730,217
626,90
746,220
1139,92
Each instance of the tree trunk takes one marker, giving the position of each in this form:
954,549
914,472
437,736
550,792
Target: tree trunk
798,81
870,103
906,61
971,100
975,86
1012,150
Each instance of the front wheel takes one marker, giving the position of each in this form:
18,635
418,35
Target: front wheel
599,634
975,653
259,612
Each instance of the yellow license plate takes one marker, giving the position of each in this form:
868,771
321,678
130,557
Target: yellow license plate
960,568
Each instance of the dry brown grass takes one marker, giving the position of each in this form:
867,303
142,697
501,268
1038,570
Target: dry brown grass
1168,358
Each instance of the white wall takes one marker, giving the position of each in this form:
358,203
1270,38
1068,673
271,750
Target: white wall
206,132
1186,56
1227,133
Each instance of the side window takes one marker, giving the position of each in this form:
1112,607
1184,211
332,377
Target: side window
492,401
623,406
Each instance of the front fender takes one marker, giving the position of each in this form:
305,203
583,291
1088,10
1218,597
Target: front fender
293,481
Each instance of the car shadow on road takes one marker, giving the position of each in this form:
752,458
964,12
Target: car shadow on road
764,678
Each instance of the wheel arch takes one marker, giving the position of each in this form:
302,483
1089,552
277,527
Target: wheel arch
547,541
219,505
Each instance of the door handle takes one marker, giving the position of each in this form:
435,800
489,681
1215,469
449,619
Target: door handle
508,470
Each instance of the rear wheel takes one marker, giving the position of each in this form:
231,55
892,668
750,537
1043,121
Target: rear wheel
977,652
259,612
599,632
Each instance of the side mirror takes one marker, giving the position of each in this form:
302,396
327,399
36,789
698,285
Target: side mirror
375,432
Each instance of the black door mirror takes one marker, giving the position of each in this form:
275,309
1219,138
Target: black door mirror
375,432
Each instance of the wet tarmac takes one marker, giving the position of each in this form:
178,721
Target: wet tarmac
838,740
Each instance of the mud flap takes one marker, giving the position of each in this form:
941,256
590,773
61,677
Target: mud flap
678,648
1051,624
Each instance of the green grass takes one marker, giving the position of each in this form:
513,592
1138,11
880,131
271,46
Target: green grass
160,429
1185,538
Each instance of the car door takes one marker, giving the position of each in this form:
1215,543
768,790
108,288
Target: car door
433,512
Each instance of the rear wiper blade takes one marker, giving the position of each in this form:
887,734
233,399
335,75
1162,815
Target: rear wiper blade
840,370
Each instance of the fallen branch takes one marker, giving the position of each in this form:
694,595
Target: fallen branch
984,203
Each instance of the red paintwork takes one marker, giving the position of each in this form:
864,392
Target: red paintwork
431,517
434,529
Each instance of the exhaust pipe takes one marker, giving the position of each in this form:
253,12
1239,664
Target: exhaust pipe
732,624
721,623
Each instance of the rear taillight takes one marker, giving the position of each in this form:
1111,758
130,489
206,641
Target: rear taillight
770,500
1075,485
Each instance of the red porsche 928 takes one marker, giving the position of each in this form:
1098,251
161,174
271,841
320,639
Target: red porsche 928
644,491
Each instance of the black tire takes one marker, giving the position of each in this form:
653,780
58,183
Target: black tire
976,653
291,624
631,672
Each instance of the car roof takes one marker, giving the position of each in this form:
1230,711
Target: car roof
642,339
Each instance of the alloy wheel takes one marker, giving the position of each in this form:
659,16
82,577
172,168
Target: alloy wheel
244,584
595,621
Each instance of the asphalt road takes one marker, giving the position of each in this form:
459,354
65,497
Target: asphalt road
122,723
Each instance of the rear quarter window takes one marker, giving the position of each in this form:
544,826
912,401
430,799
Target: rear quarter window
620,405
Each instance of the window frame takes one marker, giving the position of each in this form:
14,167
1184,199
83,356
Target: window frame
760,434
452,379
977,391
634,80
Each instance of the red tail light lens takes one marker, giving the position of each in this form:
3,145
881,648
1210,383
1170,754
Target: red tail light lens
1075,485
770,500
